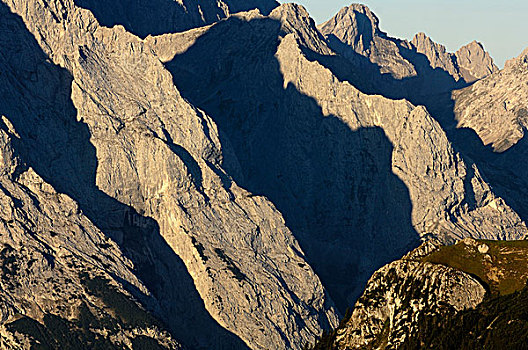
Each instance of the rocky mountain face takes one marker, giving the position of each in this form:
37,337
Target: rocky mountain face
470,63
354,30
228,181
300,135
491,117
99,117
60,275
418,70
495,108
398,294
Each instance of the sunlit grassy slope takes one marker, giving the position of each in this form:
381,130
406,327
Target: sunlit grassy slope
501,265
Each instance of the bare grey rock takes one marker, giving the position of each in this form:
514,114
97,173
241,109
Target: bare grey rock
330,157
146,166
433,145
436,54
474,62
57,266
406,69
495,107
356,27
470,63
229,167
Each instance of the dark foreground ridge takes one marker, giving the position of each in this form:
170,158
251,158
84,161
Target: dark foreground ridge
499,321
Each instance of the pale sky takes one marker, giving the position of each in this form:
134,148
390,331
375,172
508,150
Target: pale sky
501,26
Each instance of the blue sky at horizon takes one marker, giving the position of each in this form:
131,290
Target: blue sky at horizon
500,27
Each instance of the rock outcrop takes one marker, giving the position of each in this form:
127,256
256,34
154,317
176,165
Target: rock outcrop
474,63
354,30
495,107
61,278
468,295
470,63
397,68
397,295
223,185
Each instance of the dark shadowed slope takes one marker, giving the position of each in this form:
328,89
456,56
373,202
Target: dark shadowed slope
422,72
334,185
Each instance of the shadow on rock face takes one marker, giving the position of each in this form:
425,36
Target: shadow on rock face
334,185
154,17
35,96
432,88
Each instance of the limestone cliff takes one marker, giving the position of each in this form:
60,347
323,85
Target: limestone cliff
62,279
330,157
154,17
356,27
220,180
416,68
495,107
99,117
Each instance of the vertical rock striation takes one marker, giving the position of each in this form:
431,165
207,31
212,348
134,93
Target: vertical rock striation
146,166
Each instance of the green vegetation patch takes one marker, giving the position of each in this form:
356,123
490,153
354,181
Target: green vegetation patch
129,313
499,322
58,333
328,338
501,265
34,330
142,342
8,262
92,326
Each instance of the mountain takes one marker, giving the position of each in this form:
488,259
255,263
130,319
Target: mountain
60,275
190,177
420,71
354,30
99,117
494,107
490,119
330,157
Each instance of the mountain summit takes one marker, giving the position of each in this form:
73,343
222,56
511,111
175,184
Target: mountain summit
357,28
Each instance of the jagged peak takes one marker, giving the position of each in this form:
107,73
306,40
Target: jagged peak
422,40
420,37
474,47
355,25
475,44
291,12
248,15
295,19
356,17
522,59
354,9
475,62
